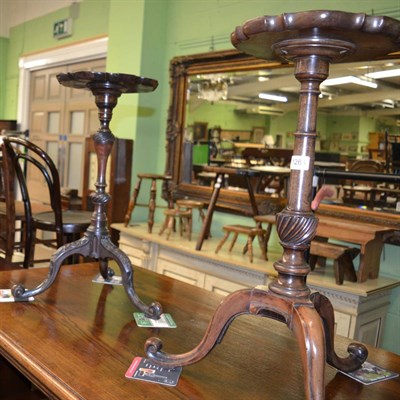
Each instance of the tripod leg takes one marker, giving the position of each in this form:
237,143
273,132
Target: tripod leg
308,329
108,250
233,305
358,353
81,246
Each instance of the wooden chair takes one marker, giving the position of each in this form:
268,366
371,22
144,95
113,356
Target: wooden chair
12,213
67,225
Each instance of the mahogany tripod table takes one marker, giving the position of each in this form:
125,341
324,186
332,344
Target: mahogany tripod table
96,242
311,40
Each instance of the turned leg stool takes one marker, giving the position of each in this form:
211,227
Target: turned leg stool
251,233
185,222
153,194
189,205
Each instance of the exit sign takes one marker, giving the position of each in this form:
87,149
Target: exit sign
62,28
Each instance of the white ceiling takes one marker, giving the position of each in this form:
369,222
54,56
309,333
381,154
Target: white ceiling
345,99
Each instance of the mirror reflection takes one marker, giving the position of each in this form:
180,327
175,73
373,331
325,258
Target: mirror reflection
246,119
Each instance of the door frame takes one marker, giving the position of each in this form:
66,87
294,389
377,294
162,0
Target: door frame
83,51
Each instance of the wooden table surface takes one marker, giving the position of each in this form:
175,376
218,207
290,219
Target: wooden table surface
369,236
77,340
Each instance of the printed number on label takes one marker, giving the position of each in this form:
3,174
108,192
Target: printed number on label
301,163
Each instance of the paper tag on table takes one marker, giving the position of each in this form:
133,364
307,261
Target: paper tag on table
165,321
144,370
7,297
114,280
370,373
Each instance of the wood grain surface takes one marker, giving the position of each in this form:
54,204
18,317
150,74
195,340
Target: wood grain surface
77,340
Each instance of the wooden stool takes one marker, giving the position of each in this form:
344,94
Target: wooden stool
185,222
152,201
342,256
189,205
251,233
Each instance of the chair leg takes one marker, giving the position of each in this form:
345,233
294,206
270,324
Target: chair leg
152,204
29,255
250,239
189,227
132,202
260,238
221,243
170,226
164,226
233,241
267,235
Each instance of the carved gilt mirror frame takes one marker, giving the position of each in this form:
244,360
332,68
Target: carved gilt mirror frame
180,69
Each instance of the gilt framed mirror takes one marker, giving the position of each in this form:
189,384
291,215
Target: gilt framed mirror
248,105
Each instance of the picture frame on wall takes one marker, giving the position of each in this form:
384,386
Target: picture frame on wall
200,131
257,134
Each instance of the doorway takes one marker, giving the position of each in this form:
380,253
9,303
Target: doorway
60,119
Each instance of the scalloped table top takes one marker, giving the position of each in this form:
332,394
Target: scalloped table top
126,83
374,36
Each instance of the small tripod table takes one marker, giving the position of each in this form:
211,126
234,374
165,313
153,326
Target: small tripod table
96,242
311,40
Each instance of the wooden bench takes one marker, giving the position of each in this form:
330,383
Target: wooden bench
342,256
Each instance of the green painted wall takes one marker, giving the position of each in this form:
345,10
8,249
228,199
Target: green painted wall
137,46
37,35
223,115
144,35
3,56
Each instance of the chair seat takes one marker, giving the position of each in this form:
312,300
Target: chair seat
74,221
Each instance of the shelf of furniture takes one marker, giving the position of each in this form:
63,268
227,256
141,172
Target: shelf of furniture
360,309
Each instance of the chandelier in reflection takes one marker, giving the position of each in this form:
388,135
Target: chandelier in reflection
213,89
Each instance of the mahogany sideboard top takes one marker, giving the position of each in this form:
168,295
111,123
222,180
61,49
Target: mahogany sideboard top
77,340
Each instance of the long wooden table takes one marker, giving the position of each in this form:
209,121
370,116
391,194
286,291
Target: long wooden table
77,340
369,236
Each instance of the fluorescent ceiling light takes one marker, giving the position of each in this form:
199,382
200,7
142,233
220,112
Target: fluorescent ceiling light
384,74
349,79
274,97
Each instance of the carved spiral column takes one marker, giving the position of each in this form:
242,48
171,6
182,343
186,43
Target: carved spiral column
296,224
